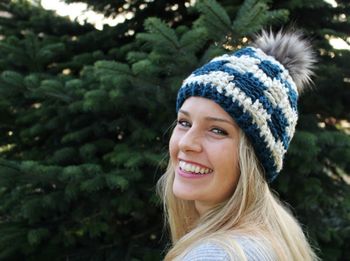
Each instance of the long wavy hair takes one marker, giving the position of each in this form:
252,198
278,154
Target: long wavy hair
252,210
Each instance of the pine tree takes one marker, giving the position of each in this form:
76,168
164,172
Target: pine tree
86,116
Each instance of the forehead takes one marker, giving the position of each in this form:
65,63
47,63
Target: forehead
203,107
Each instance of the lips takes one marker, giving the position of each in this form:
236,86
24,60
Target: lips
194,168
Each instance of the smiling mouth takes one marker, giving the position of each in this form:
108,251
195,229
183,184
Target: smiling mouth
193,168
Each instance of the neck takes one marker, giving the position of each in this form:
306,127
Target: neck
202,207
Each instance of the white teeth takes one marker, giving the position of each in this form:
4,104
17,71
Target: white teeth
182,164
193,168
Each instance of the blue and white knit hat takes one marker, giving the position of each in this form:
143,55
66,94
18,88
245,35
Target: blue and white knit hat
258,86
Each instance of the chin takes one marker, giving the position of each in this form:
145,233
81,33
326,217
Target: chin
181,194
184,192
184,196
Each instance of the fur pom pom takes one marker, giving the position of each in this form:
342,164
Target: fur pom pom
291,50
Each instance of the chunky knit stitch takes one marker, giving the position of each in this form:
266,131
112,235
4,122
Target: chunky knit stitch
253,249
259,94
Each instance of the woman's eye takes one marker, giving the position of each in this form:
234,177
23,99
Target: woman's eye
184,123
219,131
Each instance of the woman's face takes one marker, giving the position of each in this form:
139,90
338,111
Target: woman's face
204,151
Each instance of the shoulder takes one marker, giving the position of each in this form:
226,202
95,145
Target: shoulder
254,249
207,252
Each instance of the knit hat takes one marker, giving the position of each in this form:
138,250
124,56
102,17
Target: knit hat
258,86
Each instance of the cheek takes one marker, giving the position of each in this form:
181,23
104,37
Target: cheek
231,159
173,146
226,161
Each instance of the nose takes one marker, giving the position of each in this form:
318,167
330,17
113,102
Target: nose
191,141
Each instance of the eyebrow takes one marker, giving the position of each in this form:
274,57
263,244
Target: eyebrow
209,118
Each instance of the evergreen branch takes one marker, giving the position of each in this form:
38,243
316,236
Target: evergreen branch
250,15
8,164
6,126
4,7
247,7
146,232
280,16
109,67
10,48
211,9
157,26
193,39
61,97
31,46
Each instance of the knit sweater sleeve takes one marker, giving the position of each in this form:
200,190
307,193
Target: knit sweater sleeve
207,252
253,250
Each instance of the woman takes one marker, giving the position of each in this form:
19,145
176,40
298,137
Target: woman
236,117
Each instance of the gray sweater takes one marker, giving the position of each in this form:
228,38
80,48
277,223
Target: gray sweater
253,249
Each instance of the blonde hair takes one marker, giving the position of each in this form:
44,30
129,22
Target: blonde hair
252,210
